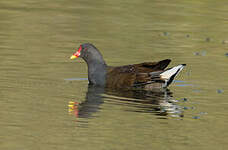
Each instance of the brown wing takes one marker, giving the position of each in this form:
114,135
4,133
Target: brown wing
131,75
120,77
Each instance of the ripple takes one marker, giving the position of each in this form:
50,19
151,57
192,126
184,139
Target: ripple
76,79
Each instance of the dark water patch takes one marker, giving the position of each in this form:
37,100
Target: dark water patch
185,108
200,53
184,99
196,117
208,39
165,33
196,53
192,107
219,91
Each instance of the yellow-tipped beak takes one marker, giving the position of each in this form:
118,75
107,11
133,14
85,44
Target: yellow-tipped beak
73,57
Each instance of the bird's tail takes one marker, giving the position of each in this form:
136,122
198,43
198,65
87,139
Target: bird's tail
169,74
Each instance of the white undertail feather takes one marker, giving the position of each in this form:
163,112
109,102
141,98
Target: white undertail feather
167,74
170,74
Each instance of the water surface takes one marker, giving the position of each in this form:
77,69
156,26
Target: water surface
47,104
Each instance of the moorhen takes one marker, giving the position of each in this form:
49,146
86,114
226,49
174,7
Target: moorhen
146,76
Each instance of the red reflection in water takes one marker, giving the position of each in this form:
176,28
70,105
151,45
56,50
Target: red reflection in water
73,108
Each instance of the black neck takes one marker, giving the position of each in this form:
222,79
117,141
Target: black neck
96,68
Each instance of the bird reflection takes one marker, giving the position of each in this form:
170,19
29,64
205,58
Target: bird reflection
91,104
160,103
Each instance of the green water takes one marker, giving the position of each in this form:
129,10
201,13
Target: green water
38,80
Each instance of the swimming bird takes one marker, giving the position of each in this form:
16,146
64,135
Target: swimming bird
145,76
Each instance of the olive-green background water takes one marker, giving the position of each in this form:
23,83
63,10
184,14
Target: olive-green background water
38,80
